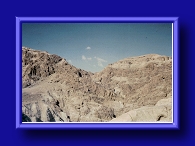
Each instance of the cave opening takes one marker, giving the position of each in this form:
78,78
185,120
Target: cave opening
80,75
57,103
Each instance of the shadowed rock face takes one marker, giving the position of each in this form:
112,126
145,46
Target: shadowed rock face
53,90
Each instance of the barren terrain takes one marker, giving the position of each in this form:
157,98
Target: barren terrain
135,89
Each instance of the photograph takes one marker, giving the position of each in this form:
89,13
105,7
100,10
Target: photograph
97,72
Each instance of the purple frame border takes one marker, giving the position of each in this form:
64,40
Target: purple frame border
174,125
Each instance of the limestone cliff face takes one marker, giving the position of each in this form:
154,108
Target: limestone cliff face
53,90
38,65
139,81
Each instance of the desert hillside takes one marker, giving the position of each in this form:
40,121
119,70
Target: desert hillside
54,91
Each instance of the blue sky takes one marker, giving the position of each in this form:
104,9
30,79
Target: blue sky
92,46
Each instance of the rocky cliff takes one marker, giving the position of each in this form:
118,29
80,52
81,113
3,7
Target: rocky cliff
53,90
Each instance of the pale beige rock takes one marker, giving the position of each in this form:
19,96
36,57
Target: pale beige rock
55,91
167,101
161,112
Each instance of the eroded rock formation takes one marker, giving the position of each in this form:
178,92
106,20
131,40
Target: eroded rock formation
55,91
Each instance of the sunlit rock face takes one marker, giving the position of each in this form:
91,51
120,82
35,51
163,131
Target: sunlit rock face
55,91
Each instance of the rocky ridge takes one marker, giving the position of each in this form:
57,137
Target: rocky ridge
55,91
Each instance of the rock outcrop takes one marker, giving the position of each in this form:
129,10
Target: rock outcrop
161,112
55,91
139,81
